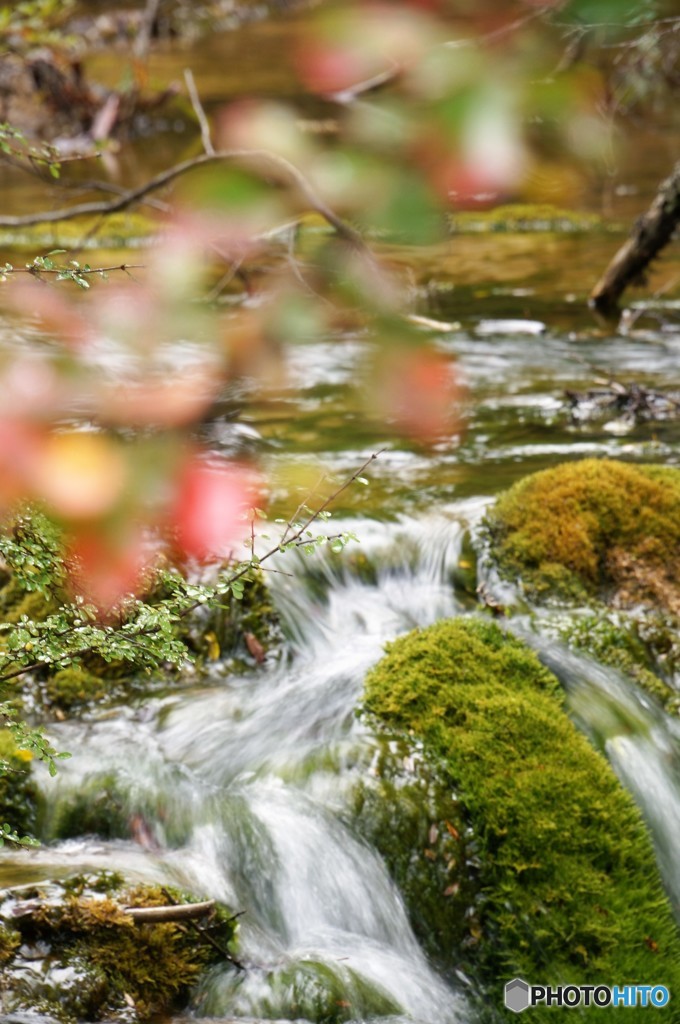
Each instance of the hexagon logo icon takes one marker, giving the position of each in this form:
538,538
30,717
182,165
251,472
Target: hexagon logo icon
516,995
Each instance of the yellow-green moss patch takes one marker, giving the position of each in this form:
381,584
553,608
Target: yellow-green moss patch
596,528
565,868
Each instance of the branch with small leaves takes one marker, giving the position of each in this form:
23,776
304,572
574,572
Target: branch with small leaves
70,271
146,634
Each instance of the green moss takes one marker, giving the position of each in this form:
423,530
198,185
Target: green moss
566,872
9,942
523,217
120,231
18,794
98,808
596,528
74,687
113,959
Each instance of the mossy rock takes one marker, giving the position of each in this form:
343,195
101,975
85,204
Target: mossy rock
18,793
592,529
303,990
98,807
604,534
97,963
523,217
569,888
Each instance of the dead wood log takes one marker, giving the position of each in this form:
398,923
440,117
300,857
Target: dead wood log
651,233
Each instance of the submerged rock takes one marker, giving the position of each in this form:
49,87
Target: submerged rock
71,950
300,990
568,889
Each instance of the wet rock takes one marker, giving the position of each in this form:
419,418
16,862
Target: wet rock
304,990
406,809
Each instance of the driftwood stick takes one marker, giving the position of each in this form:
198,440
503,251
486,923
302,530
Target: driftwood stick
651,233
175,912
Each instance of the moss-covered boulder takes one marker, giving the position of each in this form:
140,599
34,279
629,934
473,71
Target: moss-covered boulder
18,793
564,867
606,535
299,990
593,529
72,950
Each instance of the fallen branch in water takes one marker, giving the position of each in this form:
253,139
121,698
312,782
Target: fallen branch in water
652,232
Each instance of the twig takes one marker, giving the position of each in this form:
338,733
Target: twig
269,162
298,510
199,112
176,912
39,271
143,40
226,278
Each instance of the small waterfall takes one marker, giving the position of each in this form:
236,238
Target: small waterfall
638,738
241,787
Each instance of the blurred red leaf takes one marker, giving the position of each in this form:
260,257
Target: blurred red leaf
208,515
418,392
107,566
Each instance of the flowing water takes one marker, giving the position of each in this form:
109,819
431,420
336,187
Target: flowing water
244,785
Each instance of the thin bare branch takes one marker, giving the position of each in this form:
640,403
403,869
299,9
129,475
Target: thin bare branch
81,271
262,159
199,112
143,40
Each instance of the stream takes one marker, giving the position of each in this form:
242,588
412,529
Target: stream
244,784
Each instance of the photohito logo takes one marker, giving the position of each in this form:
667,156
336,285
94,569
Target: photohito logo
520,996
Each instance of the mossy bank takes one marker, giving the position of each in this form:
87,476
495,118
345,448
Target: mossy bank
564,867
